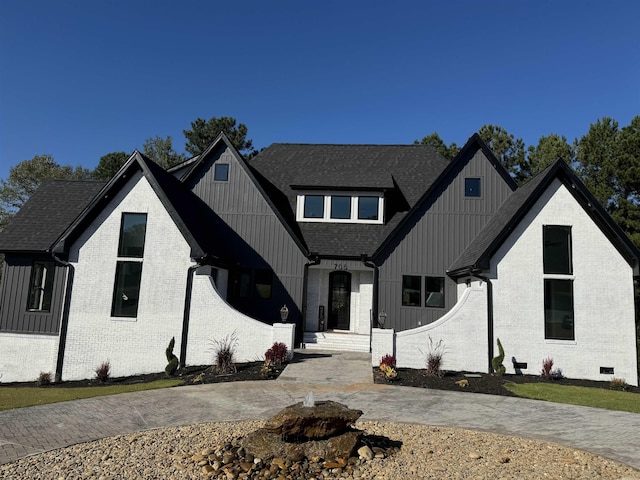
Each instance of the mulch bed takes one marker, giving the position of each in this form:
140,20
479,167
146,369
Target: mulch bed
479,382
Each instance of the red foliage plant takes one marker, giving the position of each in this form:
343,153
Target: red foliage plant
389,361
277,354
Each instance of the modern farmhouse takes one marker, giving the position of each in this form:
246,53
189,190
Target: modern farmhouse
380,248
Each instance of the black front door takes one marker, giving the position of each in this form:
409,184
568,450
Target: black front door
339,296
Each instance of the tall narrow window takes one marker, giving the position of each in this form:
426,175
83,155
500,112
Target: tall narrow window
411,290
132,232
558,309
557,249
242,284
126,288
340,207
40,286
264,282
434,292
314,206
368,208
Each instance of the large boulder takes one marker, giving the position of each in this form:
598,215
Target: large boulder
324,419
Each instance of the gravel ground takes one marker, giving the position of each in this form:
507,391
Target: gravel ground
426,452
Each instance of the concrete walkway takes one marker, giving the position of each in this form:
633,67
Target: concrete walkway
343,377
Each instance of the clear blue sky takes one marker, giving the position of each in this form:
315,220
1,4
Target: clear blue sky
80,79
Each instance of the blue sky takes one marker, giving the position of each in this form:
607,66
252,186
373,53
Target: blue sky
80,79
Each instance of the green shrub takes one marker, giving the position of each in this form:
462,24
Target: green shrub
172,366
496,362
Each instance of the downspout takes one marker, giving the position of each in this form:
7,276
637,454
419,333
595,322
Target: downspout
64,321
313,260
374,301
187,311
489,315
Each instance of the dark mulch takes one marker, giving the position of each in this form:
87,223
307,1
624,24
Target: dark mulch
479,382
190,376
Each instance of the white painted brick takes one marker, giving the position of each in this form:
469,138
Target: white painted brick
23,357
382,343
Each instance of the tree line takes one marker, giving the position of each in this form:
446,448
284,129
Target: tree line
606,158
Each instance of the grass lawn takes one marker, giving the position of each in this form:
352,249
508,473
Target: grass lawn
17,397
588,397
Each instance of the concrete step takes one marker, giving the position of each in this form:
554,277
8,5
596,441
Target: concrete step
338,341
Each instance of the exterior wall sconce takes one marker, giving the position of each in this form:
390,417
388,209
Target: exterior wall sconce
382,318
284,314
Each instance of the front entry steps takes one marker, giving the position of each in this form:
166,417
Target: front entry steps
338,341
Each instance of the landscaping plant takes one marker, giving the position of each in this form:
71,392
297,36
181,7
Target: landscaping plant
434,359
172,366
224,354
548,370
277,354
44,379
388,366
496,362
103,371
618,384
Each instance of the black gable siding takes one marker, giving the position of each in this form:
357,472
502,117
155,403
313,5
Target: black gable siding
429,245
240,204
14,291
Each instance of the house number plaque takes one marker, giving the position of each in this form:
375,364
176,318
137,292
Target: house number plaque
340,266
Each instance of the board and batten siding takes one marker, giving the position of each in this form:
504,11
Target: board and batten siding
430,244
14,316
241,205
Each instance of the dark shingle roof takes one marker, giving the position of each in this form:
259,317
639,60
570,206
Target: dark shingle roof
405,171
47,214
477,255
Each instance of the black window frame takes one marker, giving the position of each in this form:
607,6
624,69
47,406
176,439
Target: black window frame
554,327
473,187
550,263
40,286
132,292
221,172
409,291
123,248
428,297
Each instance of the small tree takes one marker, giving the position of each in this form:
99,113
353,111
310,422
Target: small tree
172,366
496,362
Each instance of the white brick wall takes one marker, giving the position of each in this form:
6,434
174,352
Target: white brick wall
603,305
23,357
463,332
212,319
603,296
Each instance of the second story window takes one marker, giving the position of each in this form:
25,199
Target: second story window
313,206
472,187
342,207
132,232
126,288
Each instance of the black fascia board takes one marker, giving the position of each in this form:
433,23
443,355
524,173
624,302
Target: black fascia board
585,199
91,211
223,138
464,155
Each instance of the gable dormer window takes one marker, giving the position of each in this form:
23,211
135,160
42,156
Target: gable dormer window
221,172
341,207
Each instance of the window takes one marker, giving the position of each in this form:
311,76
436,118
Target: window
40,286
264,282
242,287
340,207
132,232
126,291
558,309
126,288
367,208
314,206
221,172
471,187
411,290
557,249
434,292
